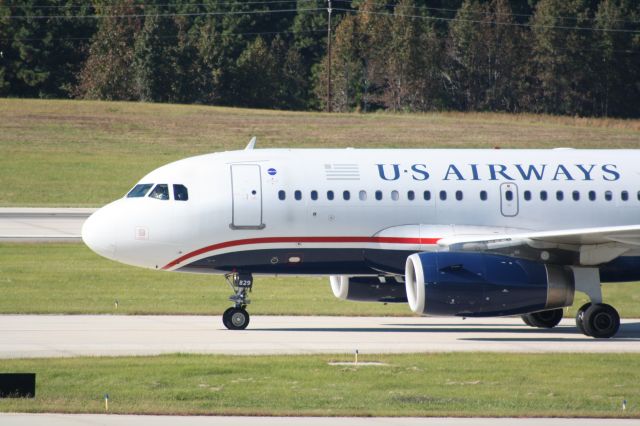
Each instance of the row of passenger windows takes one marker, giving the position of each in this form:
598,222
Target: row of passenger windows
160,191
575,195
458,195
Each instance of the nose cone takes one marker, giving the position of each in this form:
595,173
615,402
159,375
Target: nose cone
99,235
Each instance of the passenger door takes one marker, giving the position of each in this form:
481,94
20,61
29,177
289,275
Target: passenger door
246,188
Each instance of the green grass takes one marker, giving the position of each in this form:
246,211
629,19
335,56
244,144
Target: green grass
69,278
85,153
460,384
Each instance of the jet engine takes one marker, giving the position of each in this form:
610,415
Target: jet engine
480,284
368,289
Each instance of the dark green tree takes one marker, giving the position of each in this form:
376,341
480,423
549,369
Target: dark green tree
310,41
347,69
414,57
563,55
468,55
43,46
618,64
156,71
256,76
108,71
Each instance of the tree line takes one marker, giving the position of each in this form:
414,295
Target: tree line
576,57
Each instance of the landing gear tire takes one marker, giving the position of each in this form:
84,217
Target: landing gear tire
236,318
226,318
601,321
580,319
543,319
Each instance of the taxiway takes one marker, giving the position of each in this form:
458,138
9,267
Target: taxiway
29,336
42,224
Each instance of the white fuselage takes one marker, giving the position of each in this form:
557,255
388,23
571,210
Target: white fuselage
291,201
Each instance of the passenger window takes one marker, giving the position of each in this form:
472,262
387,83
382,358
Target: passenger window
314,195
282,195
592,195
624,195
330,195
362,195
527,195
483,195
378,195
160,192
411,195
608,195
180,193
346,195
395,195
559,195
297,195
459,195
543,195
508,195
443,195
427,195
141,190
575,195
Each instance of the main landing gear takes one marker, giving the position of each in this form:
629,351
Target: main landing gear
237,317
598,320
543,319
594,319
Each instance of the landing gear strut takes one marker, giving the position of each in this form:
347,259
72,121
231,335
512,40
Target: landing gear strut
237,317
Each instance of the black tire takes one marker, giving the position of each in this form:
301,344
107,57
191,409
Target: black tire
601,321
580,319
546,319
238,319
526,319
226,318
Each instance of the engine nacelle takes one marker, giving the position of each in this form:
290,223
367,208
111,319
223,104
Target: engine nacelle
479,284
368,289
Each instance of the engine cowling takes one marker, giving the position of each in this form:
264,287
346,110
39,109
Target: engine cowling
368,289
480,284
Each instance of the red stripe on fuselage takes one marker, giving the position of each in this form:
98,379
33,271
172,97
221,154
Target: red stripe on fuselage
270,240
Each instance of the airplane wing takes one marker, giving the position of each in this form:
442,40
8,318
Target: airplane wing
595,245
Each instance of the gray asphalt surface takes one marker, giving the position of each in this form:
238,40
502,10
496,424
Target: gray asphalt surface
42,224
29,336
116,420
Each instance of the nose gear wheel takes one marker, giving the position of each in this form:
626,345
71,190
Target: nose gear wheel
237,317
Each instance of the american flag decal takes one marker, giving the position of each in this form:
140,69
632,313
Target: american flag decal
342,171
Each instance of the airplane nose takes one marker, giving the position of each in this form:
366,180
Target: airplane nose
99,234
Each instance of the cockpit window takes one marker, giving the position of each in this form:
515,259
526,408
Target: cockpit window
139,190
161,192
180,193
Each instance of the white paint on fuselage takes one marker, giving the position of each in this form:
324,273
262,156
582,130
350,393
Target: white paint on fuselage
176,228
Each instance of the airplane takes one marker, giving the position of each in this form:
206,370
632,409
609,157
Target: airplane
451,232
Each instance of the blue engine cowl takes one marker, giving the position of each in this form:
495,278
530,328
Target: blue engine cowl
479,284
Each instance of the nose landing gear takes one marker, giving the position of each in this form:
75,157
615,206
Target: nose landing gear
237,317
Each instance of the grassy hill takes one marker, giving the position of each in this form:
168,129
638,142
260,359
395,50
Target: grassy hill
83,153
